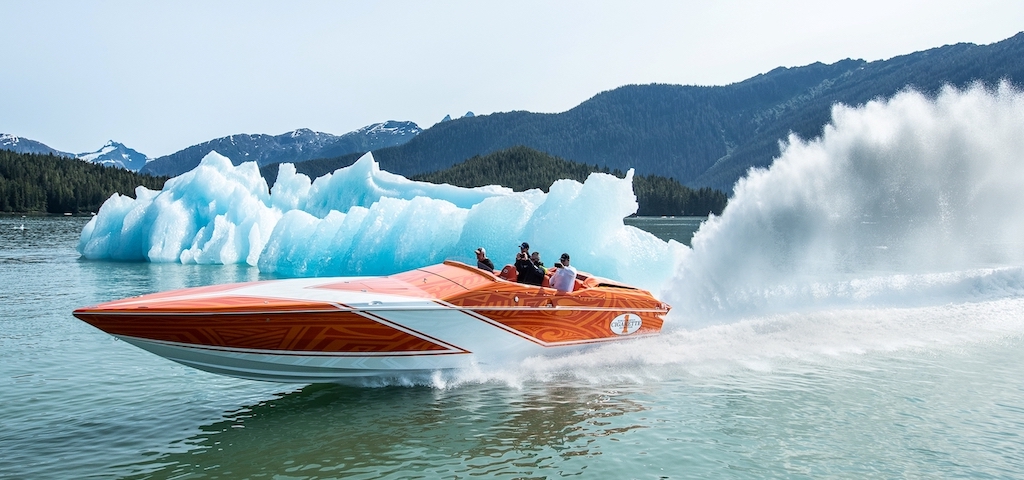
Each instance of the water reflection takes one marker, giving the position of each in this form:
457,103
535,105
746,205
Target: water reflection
107,280
477,430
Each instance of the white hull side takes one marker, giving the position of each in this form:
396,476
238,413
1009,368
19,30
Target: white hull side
468,335
297,367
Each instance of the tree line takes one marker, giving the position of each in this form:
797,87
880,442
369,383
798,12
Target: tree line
54,184
36,183
522,168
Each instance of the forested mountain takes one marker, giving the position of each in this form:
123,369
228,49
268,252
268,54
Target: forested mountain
55,184
705,136
292,147
523,168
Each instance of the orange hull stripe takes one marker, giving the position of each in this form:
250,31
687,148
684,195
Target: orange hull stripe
220,304
312,332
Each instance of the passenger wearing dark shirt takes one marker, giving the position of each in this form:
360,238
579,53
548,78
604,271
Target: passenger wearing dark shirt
535,258
526,271
482,262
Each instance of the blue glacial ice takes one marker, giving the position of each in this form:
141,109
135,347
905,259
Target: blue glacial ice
360,220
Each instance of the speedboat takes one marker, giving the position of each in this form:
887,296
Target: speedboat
348,329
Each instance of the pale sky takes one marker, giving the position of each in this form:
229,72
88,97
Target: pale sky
162,76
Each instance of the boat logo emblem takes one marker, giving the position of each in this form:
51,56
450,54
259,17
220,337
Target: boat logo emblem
626,324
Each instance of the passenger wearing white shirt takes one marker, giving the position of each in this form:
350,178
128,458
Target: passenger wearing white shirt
564,276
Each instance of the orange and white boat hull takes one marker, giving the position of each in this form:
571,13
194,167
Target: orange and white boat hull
444,317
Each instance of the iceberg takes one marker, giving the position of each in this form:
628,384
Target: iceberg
360,220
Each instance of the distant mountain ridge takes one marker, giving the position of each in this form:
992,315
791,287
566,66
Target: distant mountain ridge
292,147
705,136
18,144
699,136
111,154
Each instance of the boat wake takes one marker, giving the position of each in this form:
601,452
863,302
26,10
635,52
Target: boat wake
905,202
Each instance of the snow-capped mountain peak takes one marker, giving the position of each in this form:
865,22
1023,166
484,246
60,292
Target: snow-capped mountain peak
115,154
391,128
295,146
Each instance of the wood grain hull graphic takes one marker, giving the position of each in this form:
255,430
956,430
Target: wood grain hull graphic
313,330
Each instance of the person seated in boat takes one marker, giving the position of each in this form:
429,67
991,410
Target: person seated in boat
546,274
526,271
482,262
535,258
524,250
563,275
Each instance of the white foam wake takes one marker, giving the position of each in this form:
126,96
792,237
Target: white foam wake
898,202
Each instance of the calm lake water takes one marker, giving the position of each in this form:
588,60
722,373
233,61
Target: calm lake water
920,392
